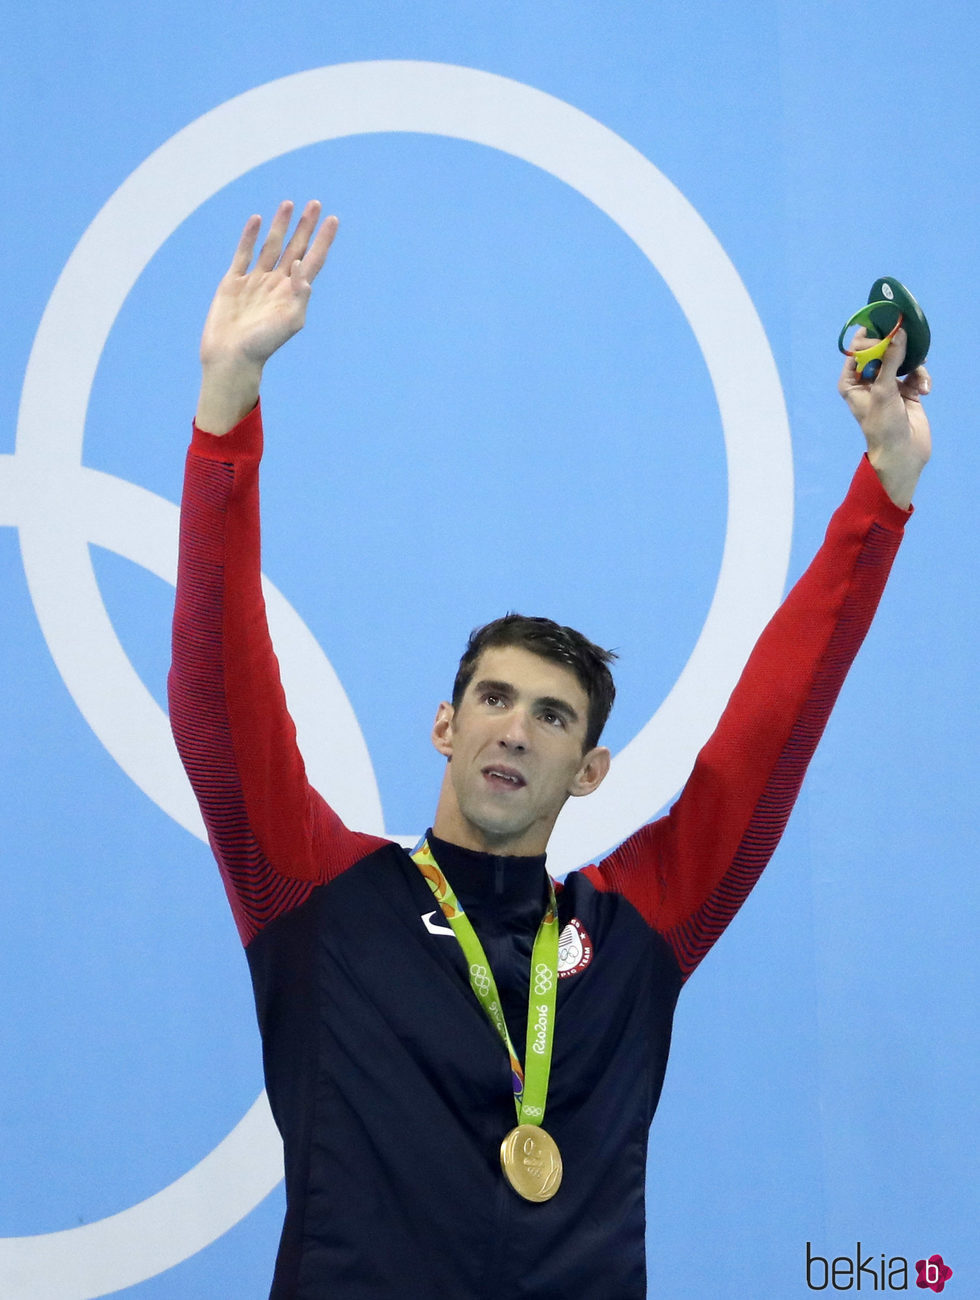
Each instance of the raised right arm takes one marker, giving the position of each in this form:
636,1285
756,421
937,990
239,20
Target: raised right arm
274,837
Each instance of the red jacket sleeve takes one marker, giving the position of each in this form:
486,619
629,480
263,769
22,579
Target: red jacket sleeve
274,837
690,871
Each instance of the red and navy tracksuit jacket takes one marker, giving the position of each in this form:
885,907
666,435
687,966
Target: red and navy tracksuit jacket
389,1085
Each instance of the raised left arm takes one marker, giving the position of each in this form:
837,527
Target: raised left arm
689,872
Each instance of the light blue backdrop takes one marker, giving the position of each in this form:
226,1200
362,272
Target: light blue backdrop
498,404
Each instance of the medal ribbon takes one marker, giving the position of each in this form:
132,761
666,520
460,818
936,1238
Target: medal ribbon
530,1082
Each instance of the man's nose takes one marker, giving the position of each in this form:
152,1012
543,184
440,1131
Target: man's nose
515,733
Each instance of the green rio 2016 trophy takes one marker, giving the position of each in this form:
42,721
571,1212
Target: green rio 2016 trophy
889,306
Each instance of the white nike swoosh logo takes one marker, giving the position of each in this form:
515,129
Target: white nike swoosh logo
435,929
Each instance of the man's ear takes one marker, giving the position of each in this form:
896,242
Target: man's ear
442,729
592,772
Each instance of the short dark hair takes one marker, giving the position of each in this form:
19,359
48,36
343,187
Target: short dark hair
550,640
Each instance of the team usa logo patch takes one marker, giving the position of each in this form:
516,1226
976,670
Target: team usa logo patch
574,949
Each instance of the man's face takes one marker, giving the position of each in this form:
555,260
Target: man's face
515,753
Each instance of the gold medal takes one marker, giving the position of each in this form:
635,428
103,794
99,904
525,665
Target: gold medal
531,1162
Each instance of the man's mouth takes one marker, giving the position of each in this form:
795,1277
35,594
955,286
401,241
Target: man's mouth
503,778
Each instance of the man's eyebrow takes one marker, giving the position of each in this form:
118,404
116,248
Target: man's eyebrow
497,688
560,706
492,686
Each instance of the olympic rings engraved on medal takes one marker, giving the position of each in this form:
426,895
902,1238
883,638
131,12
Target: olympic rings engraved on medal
481,978
543,979
45,480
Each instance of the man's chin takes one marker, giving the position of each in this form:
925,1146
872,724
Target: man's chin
503,835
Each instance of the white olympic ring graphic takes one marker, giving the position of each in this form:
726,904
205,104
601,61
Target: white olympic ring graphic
532,1110
543,978
45,480
481,978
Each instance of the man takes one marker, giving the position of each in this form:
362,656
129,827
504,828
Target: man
465,1101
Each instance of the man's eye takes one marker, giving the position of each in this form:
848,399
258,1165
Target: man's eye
553,719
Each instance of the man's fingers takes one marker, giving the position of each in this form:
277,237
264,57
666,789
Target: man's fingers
310,255
270,250
887,375
298,244
313,260
915,385
246,246
893,358
848,376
